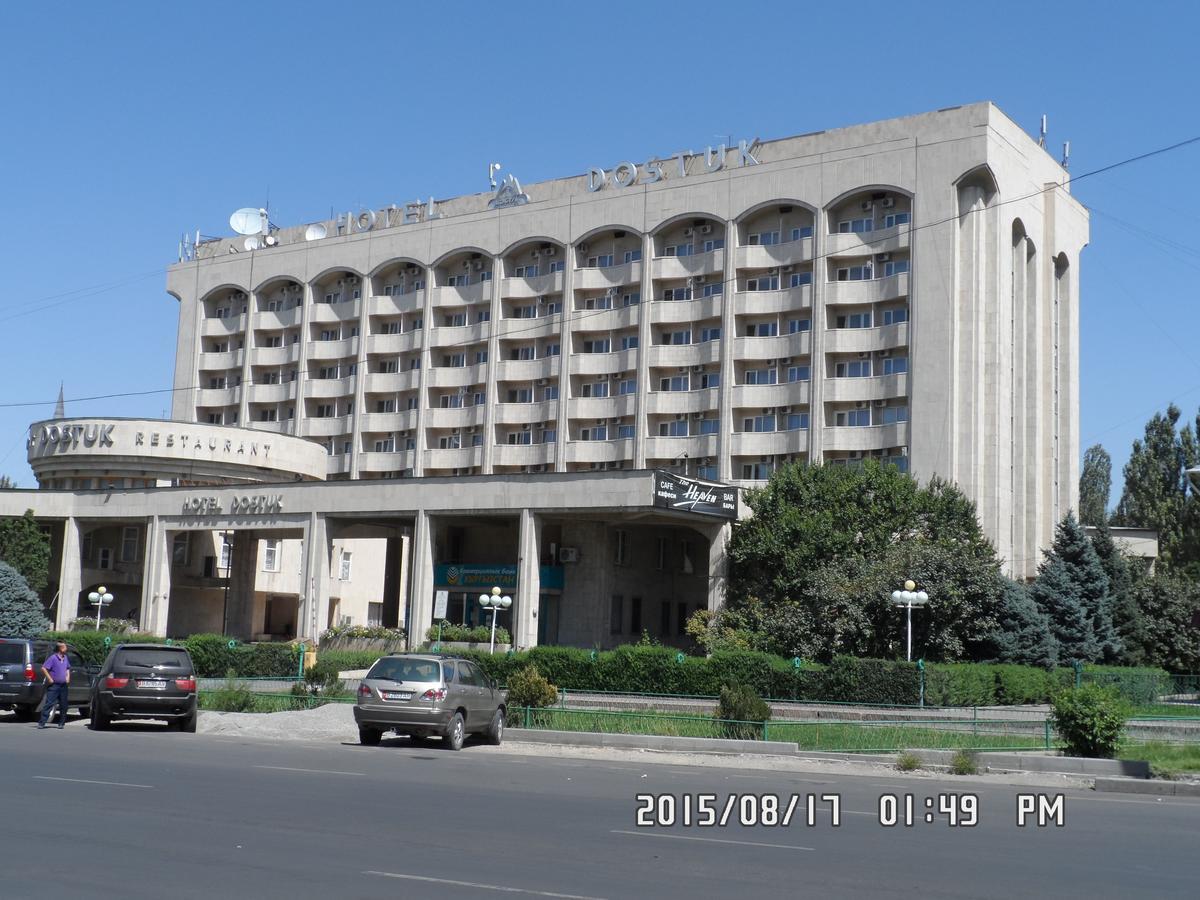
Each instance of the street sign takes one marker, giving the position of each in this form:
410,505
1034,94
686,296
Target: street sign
441,598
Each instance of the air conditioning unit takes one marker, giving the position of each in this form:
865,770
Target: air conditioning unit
883,257
861,404
697,415
568,554
885,353
688,232
683,368
697,368
550,251
772,362
526,427
474,430
542,382
786,362
454,431
354,279
856,454
772,271
466,265
411,270
706,229
239,295
583,248
478,265
536,254
889,202
788,269
615,375
880,403
866,206
341,282
864,356
697,279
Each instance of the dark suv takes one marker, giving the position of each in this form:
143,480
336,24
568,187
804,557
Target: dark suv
146,681
22,684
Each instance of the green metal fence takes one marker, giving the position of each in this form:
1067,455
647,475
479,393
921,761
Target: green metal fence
263,702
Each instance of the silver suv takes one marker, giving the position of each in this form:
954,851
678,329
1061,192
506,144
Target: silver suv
419,696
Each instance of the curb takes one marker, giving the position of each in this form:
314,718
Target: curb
1158,788
650,742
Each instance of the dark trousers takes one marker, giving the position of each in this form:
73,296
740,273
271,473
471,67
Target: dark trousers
55,693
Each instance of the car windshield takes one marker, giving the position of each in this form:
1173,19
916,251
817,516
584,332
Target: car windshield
406,670
156,659
12,653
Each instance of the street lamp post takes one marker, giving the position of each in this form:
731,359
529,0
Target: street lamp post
494,602
100,598
908,598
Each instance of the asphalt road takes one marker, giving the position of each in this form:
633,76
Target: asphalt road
139,812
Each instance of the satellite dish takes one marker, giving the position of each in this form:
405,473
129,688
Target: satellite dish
315,232
252,243
248,220
271,240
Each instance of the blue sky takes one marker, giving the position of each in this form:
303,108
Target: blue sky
126,125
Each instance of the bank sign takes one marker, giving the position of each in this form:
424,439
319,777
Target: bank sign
690,495
466,577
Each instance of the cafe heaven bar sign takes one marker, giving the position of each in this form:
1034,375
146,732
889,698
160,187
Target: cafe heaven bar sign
689,495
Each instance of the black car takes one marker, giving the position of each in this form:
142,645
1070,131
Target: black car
146,681
22,684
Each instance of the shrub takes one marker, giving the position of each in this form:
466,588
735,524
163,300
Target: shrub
480,634
741,712
268,661
212,655
529,687
320,679
112,626
1137,686
364,632
908,761
348,660
964,762
1090,720
1016,685
232,696
90,644
960,684
878,681
20,609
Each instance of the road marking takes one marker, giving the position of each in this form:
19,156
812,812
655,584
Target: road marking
482,887
89,781
687,837
310,771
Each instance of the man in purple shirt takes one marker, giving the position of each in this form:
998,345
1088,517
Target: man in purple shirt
57,669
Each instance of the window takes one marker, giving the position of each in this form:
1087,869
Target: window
480,356
556,266
454,360
681,619
895,316
458,280
677,338
677,428
602,261
795,326
761,376
709,380
549,435
852,418
681,250
710,334
602,302
550,392
385,406
856,226
519,395
627,386
797,279
374,615
891,220
595,433
595,389
674,383
129,544
226,553
455,320
524,312
764,238
478,398
631,299
759,423
856,368
324,411
520,437
797,421
551,350
271,555
616,614
385,445
624,431
854,320
104,558
449,442
620,547
895,365
344,568
855,273
597,345
710,426
762,329
890,415
333,297
763,283
327,372
180,545
715,244
485,275
522,352
629,342
804,231
679,293
526,272
329,334
635,615
713,290
756,471
389,366
662,554
797,373
895,267
707,471
632,256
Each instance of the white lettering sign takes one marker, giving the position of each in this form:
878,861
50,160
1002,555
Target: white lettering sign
627,174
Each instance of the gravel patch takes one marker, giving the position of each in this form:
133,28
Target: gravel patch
331,722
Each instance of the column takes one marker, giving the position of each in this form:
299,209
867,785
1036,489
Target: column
422,373
360,374
421,600
496,314
306,294
314,592
70,576
570,255
818,325
529,590
729,300
718,564
239,600
645,338
156,579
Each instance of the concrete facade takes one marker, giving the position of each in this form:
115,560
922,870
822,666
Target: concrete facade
905,290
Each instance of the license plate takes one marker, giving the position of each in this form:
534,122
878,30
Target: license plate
397,695
152,685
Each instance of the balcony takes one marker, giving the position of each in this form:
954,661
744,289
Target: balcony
599,451
275,319
397,304
328,387
886,240
870,437
218,396
375,461
392,382
523,454
709,263
460,376
346,311
880,387
454,417
458,335
602,407
684,354
463,458
604,319
333,350
782,346
785,301
221,362
529,329
521,288
695,446
525,413
221,327
755,396
774,255
392,344
274,356
866,340
272,393
877,290
385,423
527,369
766,443
332,426
676,402
685,310
479,292
338,464
603,363
626,274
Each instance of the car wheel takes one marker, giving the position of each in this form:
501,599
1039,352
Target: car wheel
495,732
25,713
369,736
188,725
99,720
84,711
456,731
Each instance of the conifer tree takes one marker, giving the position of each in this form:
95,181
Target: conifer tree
1071,591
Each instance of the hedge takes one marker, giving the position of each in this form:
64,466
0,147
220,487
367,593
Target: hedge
210,652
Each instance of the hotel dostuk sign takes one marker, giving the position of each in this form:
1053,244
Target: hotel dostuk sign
690,495
67,437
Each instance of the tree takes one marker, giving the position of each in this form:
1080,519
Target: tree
20,609
6,483
1071,591
1126,617
1170,611
24,547
1022,634
1095,484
